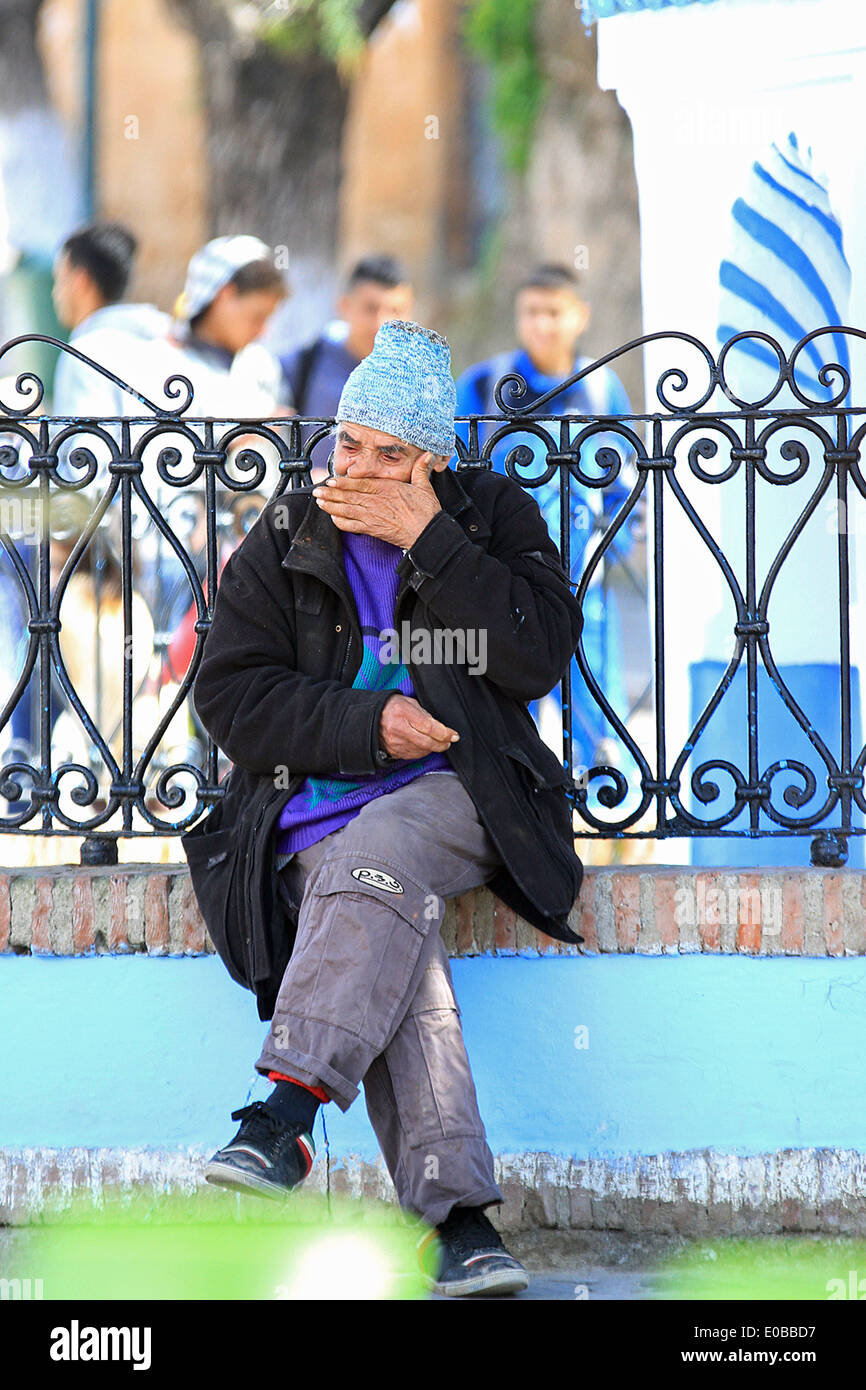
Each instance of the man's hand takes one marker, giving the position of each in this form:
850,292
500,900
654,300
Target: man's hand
393,511
406,730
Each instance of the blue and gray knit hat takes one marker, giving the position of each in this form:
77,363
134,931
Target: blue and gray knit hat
404,387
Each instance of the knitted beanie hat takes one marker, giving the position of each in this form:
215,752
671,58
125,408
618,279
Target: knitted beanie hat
404,387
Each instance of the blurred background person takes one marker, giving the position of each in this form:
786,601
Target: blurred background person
185,738
17,736
550,316
90,276
20,512
242,512
91,273
376,289
92,640
232,288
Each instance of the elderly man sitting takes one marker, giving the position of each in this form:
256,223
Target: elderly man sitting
374,781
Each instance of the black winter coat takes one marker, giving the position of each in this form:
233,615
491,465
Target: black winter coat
274,691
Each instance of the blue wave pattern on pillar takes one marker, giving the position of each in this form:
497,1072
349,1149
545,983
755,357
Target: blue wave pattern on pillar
604,9
787,274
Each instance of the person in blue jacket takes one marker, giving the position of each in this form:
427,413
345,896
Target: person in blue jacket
550,316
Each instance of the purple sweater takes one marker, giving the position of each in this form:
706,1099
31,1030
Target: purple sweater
323,804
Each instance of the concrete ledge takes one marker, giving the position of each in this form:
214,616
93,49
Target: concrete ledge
676,1194
151,909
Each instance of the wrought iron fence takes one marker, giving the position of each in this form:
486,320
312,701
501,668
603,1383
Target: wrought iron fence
127,521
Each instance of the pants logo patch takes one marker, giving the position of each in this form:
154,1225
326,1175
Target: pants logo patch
377,879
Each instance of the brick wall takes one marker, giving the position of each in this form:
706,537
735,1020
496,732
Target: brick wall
699,1194
71,911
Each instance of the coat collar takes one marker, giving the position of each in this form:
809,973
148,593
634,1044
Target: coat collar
317,536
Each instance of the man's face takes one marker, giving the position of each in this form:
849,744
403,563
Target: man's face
65,290
366,307
361,452
549,322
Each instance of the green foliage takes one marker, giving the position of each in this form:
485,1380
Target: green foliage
503,35
302,28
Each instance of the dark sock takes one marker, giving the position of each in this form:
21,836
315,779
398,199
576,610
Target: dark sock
460,1217
294,1104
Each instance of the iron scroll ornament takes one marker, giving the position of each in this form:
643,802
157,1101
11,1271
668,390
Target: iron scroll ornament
695,427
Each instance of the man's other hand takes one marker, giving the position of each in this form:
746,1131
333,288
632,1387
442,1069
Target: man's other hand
406,730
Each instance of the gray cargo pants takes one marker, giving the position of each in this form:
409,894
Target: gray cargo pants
367,994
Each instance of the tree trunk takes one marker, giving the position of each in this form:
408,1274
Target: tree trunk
21,80
581,189
275,140
576,204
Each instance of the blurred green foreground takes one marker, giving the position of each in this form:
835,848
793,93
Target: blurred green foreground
219,1245
787,1268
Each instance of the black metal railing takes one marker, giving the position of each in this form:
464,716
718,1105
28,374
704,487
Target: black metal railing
113,532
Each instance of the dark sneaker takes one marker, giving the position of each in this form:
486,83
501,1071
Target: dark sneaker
265,1157
465,1255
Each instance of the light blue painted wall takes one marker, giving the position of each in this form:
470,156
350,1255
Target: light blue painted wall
815,687
684,1052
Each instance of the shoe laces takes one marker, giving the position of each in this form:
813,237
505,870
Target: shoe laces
466,1230
261,1123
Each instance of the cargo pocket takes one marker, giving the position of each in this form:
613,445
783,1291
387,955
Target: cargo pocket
213,868
364,930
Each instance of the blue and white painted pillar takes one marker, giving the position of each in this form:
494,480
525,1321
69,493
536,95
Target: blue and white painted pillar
708,88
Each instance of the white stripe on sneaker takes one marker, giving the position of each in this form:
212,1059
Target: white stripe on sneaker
308,1149
254,1153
